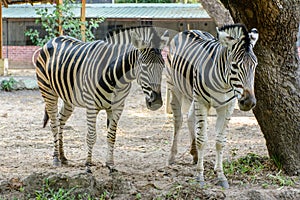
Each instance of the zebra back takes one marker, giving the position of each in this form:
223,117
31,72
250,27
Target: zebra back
152,37
67,66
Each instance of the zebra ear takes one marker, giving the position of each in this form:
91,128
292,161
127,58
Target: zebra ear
137,41
253,36
225,39
164,39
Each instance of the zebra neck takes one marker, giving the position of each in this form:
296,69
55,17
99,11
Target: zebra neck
131,60
122,69
223,67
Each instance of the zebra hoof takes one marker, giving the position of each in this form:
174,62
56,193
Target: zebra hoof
64,161
88,171
195,161
112,169
88,167
56,162
171,161
223,183
201,182
109,164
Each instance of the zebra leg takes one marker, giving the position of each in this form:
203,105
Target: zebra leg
113,117
191,125
51,109
64,114
177,117
224,114
91,137
201,112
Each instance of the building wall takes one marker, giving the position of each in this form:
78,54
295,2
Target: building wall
19,50
19,57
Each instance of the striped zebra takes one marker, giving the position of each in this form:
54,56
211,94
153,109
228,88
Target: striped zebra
206,72
97,76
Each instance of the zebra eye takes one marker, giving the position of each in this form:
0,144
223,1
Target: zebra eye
234,66
230,37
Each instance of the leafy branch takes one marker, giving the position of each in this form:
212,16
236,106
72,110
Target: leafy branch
62,15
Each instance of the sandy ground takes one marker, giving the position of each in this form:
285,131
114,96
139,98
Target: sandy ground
141,150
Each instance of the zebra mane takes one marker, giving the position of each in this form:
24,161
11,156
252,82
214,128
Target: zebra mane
238,31
121,30
123,35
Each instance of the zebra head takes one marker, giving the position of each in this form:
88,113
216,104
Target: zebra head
242,62
149,66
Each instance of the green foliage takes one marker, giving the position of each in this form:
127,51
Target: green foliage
7,85
251,166
138,196
49,191
63,16
281,180
277,161
245,165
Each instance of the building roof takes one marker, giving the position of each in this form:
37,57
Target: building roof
118,11
10,2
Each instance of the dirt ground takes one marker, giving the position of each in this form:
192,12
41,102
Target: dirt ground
141,152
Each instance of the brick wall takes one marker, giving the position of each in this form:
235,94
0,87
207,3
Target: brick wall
19,57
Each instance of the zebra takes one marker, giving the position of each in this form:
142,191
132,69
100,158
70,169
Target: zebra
206,72
97,76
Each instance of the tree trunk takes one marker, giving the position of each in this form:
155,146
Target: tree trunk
217,11
277,81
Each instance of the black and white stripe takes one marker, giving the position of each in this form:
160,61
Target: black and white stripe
97,76
210,72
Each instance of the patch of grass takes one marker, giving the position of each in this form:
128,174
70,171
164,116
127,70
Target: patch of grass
175,192
277,161
138,196
249,164
7,85
47,192
253,168
281,180
189,190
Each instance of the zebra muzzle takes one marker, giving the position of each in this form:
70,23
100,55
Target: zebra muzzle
247,101
154,101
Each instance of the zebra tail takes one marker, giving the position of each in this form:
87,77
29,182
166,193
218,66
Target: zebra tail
46,119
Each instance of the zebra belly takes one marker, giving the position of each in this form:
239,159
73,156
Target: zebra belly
215,99
102,99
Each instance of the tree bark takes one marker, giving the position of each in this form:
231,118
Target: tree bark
277,80
217,11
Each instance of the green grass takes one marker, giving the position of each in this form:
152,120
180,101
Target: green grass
249,164
277,161
7,85
281,180
47,192
256,169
